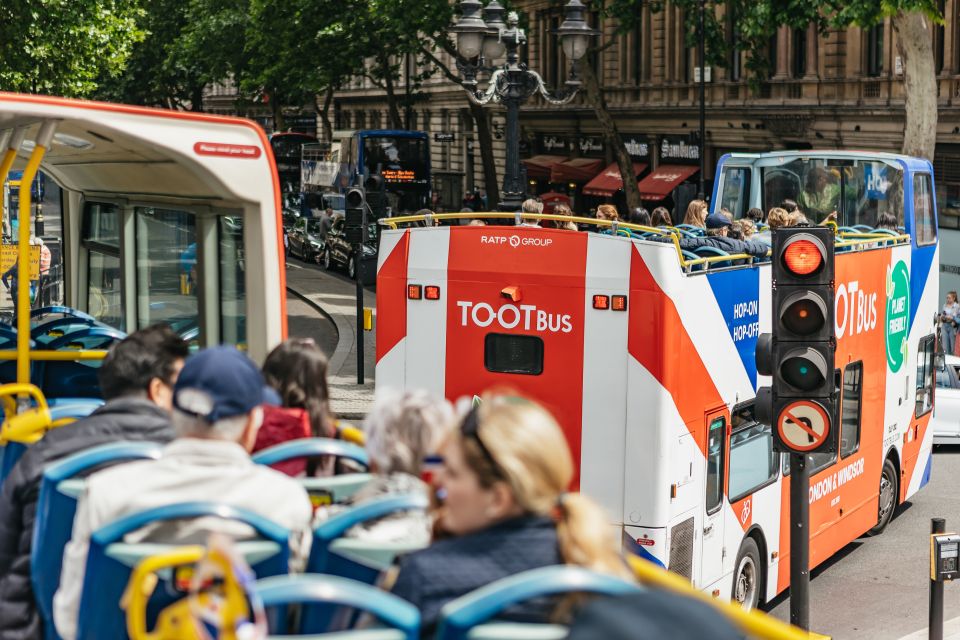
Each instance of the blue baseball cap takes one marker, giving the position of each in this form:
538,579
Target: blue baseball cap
717,221
220,382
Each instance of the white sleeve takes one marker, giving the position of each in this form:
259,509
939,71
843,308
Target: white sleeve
66,602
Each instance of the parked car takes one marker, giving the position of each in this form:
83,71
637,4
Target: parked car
338,252
291,210
946,408
306,241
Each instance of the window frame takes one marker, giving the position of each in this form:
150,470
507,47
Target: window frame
858,365
931,225
722,419
930,377
493,335
750,425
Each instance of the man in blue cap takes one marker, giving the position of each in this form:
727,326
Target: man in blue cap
217,413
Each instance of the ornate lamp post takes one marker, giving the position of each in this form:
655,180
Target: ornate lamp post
482,41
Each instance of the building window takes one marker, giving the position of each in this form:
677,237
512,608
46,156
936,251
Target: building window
734,59
939,33
799,51
874,50
637,52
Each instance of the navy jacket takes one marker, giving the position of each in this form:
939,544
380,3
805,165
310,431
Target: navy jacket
119,419
453,567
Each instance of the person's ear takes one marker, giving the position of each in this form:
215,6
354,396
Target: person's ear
249,437
501,501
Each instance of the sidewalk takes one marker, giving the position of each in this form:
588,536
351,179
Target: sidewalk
336,298
951,631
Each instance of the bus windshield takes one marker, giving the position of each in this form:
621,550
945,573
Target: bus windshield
399,161
858,190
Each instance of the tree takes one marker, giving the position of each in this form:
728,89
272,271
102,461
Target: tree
63,47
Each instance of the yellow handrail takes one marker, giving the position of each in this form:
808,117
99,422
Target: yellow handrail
755,624
46,354
30,424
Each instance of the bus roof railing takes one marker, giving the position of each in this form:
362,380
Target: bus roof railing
864,239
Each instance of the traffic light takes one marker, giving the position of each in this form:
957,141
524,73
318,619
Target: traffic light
799,354
374,187
355,215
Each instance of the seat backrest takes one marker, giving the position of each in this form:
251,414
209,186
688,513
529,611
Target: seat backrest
459,617
110,561
66,311
52,329
325,592
334,489
310,448
60,488
323,560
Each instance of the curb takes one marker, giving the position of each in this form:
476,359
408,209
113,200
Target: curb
340,353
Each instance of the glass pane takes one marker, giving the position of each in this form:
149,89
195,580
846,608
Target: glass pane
103,289
233,291
102,224
850,409
167,276
925,366
715,464
736,190
752,461
925,228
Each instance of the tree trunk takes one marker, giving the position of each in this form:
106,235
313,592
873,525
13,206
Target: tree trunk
396,121
276,109
196,98
324,112
485,140
610,132
914,45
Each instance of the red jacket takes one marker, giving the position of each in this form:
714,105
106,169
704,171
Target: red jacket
281,424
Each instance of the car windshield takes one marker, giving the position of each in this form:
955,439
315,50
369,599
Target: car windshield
313,226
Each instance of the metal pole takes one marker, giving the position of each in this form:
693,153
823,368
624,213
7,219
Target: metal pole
358,272
799,541
935,613
701,46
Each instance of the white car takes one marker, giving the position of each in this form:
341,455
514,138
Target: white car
946,410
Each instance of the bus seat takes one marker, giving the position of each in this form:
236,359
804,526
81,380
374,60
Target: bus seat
62,310
362,565
60,488
709,252
400,619
863,228
334,489
690,255
93,337
75,408
466,616
310,448
111,561
847,230
50,330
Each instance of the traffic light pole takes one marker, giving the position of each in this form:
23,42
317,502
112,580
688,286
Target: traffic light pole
799,541
358,272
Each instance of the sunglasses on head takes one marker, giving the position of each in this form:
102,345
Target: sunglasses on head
470,428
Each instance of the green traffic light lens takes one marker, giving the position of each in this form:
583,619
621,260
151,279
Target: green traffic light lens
801,374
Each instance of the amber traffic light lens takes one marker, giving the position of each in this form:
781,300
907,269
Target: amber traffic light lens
802,257
803,317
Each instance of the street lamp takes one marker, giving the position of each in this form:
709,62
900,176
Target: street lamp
482,40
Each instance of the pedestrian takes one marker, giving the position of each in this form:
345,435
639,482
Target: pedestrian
136,379
948,322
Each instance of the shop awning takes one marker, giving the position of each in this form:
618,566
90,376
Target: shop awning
539,167
576,170
663,180
609,181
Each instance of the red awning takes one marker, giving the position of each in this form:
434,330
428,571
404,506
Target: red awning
663,180
609,181
576,170
539,167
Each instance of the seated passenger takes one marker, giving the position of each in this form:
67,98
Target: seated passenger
661,218
217,413
505,510
564,210
754,214
820,194
607,212
136,380
297,370
718,224
779,217
640,216
696,215
531,205
402,430
887,220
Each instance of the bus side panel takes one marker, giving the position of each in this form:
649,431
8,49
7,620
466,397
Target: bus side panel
505,282
605,374
427,319
392,309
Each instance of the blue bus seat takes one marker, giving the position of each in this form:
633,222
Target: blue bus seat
690,255
110,561
334,489
92,337
323,559
60,489
709,252
310,448
50,330
73,407
400,619
464,617
863,228
62,310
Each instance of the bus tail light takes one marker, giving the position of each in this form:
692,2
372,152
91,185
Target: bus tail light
414,291
431,292
619,303
601,302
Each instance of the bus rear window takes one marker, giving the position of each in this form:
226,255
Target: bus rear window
505,353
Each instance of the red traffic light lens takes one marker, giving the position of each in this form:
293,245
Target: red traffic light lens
802,257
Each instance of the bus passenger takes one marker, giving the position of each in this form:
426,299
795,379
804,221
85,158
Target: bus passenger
754,214
136,380
820,194
297,370
640,216
530,205
661,218
564,210
607,212
216,415
887,220
778,217
505,510
696,215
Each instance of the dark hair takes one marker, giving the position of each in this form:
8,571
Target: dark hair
790,206
755,214
640,216
887,220
139,358
297,369
661,218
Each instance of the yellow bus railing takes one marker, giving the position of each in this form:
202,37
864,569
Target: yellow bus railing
755,624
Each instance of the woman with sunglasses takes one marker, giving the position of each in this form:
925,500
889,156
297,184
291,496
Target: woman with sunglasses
504,510
297,370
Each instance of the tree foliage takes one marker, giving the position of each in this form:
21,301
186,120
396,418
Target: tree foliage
64,46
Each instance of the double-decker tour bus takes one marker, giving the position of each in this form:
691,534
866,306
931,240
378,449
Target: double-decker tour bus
642,343
400,158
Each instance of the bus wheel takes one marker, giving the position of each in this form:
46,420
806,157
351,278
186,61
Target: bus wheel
326,260
889,489
352,268
747,578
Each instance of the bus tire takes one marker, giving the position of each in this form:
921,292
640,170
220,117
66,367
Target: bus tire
352,268
327,264
747,575
887,501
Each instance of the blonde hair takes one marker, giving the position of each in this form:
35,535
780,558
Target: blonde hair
402,429
778,217
607,212
696,214
531,455
564,210
746,227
